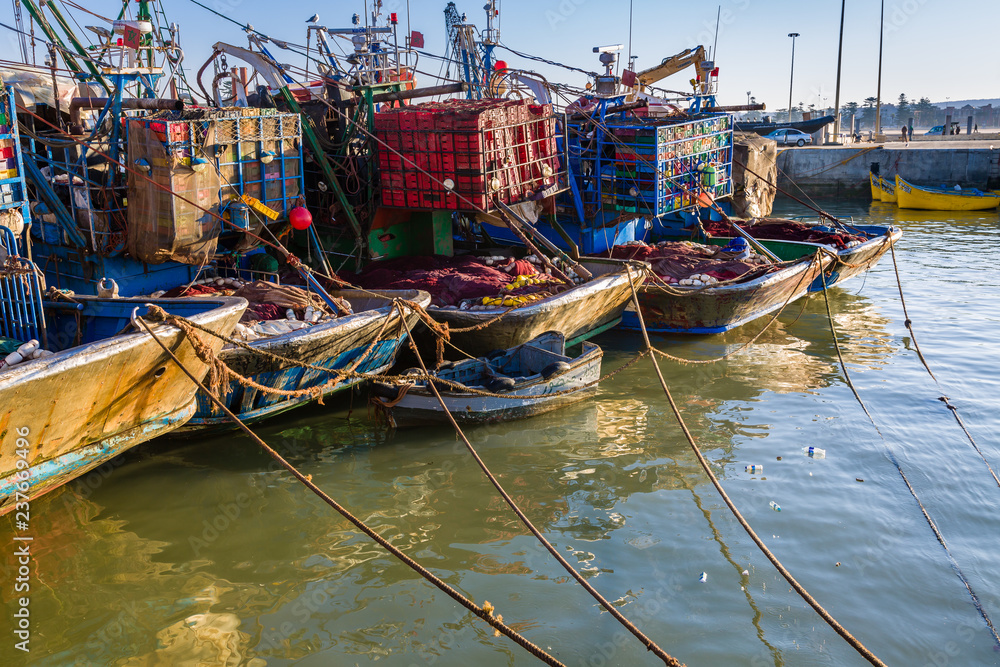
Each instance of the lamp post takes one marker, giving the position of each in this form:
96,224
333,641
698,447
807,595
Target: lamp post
791,77
878,94
748,97
840,55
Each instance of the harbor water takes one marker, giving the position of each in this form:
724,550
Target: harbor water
203,552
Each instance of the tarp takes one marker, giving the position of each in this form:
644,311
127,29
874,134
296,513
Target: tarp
161,226
33,85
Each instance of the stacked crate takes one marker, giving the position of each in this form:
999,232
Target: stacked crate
654,167
234,141
466,154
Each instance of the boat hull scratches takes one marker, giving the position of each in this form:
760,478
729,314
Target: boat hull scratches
110,395
49,475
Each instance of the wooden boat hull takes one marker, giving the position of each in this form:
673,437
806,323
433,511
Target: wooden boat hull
859,259
709,310
932,199
420,406
873,181
336,345
577,313
888,190
850,261
85,405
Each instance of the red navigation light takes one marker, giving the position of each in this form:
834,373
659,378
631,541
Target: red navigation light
392,18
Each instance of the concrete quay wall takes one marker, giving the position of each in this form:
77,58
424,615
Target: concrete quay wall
842,171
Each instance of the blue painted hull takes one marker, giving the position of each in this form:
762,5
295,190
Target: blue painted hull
366,342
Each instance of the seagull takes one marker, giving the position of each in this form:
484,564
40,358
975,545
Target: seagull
313,19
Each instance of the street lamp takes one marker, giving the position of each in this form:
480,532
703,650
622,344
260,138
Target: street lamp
840,59
748,98
878,94
791,77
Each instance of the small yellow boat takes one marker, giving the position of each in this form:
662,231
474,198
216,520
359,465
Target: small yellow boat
876,188
888,189
937,199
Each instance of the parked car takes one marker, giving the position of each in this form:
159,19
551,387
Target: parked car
939,129
788,136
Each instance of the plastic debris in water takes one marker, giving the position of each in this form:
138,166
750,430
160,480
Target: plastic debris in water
746,573
814,452
755,469
775,506
703,578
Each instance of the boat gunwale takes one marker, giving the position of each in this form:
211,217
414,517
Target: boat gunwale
336,326
88,352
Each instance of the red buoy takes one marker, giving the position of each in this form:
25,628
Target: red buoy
300,217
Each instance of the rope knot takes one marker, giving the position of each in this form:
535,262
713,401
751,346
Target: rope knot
155,314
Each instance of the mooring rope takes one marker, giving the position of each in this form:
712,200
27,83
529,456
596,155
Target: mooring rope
899,468
486,612
647,642
944,399
810,600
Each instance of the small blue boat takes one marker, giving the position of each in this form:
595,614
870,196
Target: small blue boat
531,379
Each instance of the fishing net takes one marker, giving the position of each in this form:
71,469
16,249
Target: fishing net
785,230
162,227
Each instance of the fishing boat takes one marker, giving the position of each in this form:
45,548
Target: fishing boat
700,289
857,247
106,386
539,369
715,309
873,180
578,313
366,341
939,199
888,190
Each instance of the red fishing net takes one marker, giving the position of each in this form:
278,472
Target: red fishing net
778,229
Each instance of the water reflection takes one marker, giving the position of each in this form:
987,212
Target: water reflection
206,551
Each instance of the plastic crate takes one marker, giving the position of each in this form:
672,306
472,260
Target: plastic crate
490,150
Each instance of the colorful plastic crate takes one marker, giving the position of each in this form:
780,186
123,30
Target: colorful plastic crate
486,150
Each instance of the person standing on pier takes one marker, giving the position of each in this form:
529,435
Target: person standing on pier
905,140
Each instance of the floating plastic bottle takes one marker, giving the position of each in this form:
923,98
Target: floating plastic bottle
775,506
703,578
755,469
815,452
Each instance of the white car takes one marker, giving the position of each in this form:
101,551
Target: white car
787,137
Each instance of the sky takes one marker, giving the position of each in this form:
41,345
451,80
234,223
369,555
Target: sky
941,49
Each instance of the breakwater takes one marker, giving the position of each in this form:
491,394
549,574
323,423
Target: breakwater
843,170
